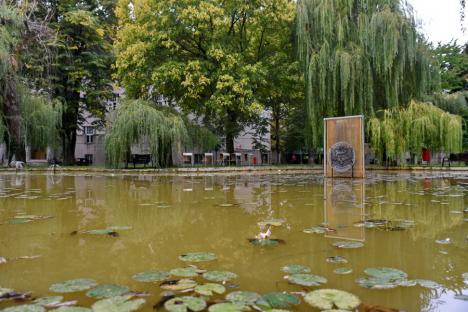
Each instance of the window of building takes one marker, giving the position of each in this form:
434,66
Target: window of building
89,139
89,130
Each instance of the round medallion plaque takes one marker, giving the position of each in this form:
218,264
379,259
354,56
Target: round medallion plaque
342,156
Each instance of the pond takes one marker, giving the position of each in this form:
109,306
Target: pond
414,223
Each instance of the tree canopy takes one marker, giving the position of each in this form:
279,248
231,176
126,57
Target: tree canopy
212,57
359,56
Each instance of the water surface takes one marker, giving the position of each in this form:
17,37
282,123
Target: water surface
173,215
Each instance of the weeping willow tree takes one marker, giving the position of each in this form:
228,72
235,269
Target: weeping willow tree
420,125
359,56
140,122
40,119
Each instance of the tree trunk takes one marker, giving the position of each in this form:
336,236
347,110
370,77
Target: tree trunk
69,143
12,115
231,126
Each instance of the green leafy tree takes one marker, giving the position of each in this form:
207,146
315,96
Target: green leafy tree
359,56
453,60
212,57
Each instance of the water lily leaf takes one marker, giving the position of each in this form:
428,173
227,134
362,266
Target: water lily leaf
243,297
198,257
72,309
295,269
264,242
343,271
118,304
107,291
329,298
427,283
184,304
306,279
376,283
120,228
219,276
407,283
18,221
48,300
228,307
271,222
99,232
151,276
185,272
348,245
337,259
314,230
386,273
278,300
74,285
181,284
25,308
209,289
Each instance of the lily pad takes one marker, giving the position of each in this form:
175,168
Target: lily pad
209,289
181,284
314,230
407,283
198,257
348,245
228,307
25,308
118,304
100,232
278,300
337,259
295,269
343,271
324,299
74,285
264,242
18,221
119,228
376,283
151,276
271,222
184,304
445,241
4,291
48,300
243,297
107,291
219,276
72,309
306,279
428,284
184,272
386,273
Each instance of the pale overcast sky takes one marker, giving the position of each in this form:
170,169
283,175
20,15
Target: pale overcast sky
440,19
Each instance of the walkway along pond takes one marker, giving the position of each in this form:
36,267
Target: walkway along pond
396,241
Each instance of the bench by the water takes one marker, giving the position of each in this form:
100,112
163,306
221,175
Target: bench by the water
142,159
460,157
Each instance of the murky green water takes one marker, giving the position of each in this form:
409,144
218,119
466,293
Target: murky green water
170,216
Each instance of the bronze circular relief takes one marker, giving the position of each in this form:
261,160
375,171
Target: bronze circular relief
342,156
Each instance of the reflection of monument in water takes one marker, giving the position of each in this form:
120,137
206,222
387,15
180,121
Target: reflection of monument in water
344,208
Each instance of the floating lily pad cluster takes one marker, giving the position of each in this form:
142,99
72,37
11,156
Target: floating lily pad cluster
388,278
387,225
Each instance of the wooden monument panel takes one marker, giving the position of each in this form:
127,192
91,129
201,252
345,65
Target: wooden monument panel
344,147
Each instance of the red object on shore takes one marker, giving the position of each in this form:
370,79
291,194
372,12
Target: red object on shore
426,154
254,160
